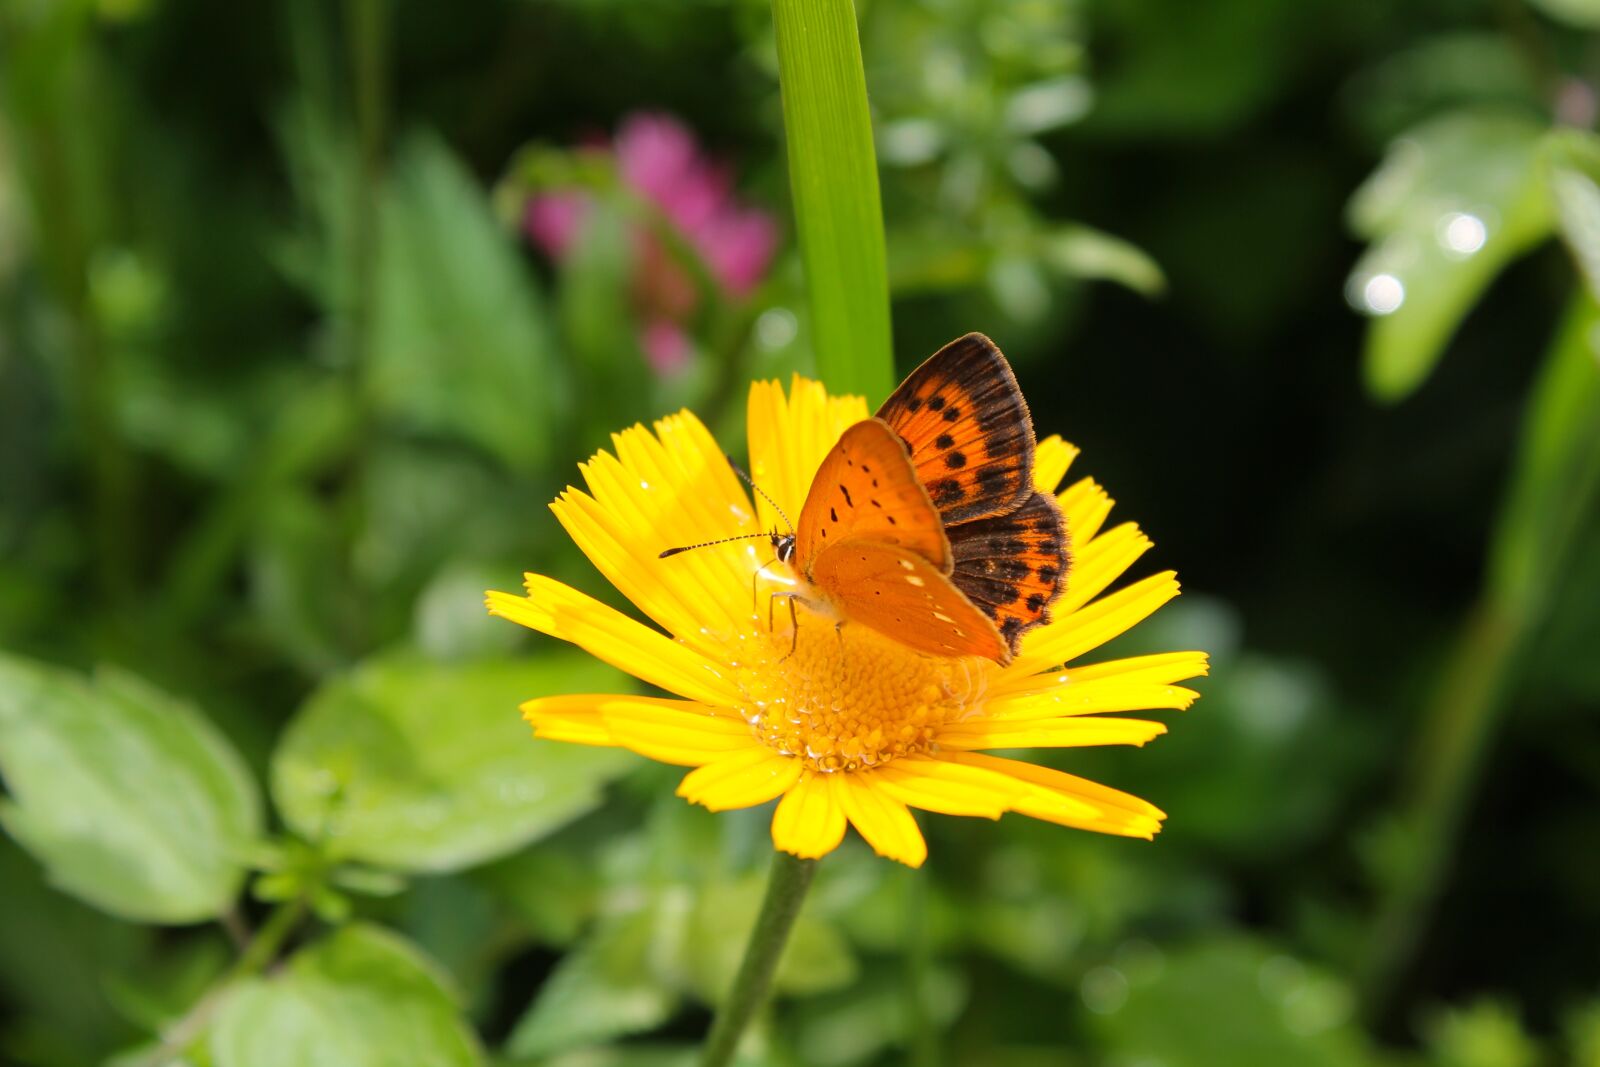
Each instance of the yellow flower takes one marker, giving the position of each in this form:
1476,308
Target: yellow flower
850,726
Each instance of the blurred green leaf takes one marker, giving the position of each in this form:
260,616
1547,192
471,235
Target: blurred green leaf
459,344
853,1025
552,889
1583,1034
1486,1034
602,989
421,766
295,568
1225,1003
1581,13
1454,201
598,323
1080,251
815,960
833,178
132,800
362,997
1557,469
55,954
1574,162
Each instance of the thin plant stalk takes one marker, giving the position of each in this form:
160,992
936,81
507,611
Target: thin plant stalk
786,891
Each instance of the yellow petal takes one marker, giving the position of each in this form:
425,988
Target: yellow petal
1085,506
789,436
1161,668
1067,697
1050,462
689,735
1063,639
882,820
742,780
1095,565
1060,798
607,634
574,718
949,788
809,821
1048,733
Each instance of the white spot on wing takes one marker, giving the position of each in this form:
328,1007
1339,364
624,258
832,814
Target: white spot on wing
914,579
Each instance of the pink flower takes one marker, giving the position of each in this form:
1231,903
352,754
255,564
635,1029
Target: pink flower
659,159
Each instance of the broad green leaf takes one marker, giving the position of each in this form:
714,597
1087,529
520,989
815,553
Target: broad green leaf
1226,1003
833,175
362,997
603,989
424,766
131,799
1557,472
459,344
1454,201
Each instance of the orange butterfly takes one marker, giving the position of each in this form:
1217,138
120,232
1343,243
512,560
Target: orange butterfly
923,522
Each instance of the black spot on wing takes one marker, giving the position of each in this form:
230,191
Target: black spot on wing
955,460
946,491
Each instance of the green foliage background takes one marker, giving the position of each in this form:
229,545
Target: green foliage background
283,389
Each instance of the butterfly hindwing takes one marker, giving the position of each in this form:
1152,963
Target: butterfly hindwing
866,488
1013,566
967,427
898,592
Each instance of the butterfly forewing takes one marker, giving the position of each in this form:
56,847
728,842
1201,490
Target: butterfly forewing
967,428
866,489
1012,566
899,593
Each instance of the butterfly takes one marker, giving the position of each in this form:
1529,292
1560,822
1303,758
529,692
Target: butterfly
923,522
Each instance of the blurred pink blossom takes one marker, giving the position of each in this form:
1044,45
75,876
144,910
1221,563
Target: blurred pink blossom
658,158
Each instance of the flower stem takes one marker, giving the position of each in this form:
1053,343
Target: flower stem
786,891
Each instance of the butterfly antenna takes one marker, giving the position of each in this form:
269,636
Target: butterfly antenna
708,544
751,482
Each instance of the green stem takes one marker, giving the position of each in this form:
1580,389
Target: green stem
922,1038
261,951
833,178
786,891
1553,495
1458,726
367,27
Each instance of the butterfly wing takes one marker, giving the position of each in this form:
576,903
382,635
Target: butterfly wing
967,427
898,592
866,489
1013,566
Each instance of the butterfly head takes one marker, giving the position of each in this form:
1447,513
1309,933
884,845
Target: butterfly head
783,546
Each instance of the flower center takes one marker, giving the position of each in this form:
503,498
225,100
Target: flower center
848,697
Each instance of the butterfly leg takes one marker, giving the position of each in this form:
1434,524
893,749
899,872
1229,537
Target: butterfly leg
794,619
755,583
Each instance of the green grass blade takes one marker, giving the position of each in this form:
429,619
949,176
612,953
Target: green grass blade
833,173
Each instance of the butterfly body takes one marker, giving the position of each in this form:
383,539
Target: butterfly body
923,522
